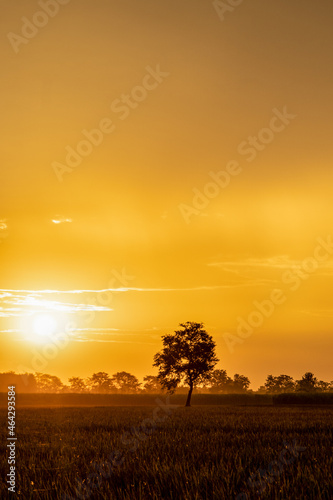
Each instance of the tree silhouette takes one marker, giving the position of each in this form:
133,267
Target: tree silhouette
287,383
126,382
152,384
48,383
323,386
282,383
188,355
307,383
24,382
77,384
100,382
240,383
220,382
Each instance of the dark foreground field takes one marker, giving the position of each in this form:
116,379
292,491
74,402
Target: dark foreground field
203,452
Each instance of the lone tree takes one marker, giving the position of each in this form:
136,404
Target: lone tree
188,356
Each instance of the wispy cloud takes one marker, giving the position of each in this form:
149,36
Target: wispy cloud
323,313
40,293
25,303
96,335
275,263
52,305
107,335
100,331
61,220
86,339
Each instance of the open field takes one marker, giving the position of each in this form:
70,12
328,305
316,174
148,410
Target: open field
53,400
203,452
49,400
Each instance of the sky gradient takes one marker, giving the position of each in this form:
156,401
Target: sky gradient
207,188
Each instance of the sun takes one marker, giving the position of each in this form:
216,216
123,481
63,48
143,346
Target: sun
44,326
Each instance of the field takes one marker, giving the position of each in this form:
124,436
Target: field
169,452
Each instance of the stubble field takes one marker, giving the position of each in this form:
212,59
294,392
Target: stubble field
168,452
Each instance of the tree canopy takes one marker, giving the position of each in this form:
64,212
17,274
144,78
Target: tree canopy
188,356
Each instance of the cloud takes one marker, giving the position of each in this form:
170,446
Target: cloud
99,331
266,270
25,303
86,339
89,335
84,335
278,262
275,262
9,313
41,293
322,313
61,220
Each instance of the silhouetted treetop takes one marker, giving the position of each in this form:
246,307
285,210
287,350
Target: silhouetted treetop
188,356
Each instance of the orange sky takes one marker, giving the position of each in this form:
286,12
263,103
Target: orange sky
209,182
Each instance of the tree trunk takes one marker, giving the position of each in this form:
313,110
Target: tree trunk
188,401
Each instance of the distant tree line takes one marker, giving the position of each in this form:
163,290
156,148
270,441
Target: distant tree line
189,357
186,363
285,383
126,383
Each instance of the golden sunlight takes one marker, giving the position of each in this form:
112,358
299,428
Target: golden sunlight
43,329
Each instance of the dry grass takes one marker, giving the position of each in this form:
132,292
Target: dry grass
206,452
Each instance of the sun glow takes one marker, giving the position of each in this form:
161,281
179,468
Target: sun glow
43,328
44,325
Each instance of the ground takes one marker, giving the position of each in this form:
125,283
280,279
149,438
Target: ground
203,452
